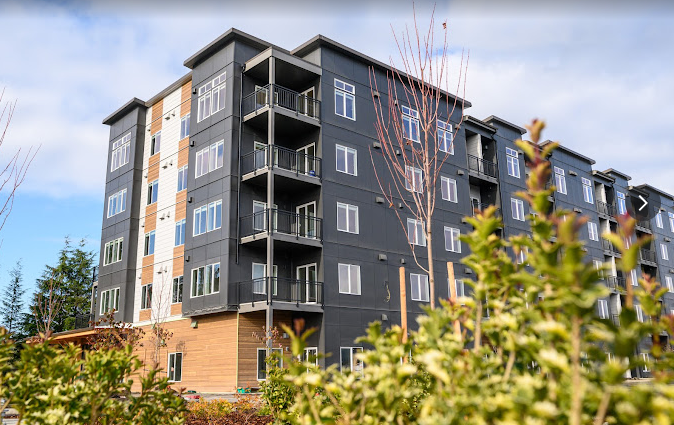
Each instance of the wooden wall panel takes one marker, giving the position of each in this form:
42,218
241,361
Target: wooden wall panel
153,171
185,98
147,275
157,113
178,260
145,315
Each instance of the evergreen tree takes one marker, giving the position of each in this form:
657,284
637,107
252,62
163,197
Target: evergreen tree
11,303
72,282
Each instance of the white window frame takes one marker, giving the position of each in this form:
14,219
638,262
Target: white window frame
345,151
153,192
621,203
602,309
210,213
347,92
208,285
454,244
209,95
460,288
113,251
173,361
513,162
121,152
109,300
669,284
588,195
416,235
445,137
150,242
410,118
310,351
599,266
353,366
182,178
420,282
664,252
177,290
592,231
517,209
349,287
560,180
647,359
185,126
639,312
257,360
117,203
414,179
155,143
448,187
634,277
658,220
180,230
209,158
146,296
345,209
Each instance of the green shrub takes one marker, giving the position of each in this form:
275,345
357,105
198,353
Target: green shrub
213,409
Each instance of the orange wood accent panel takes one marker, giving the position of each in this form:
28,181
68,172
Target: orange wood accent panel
153,170
184,144
154,160
250,323
176,309
178,262
157,113
148,261
185,98
180,206
209,352
144,315
147,275
150,219
183,153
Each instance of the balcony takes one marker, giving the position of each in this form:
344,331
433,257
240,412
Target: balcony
288,101
647,256
301,293
615,283
482,167
479,207
615,318
285,226
83,321
609,210
644,226
609,247
286,162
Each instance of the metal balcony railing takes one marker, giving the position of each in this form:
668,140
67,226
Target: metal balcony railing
482,166
286,222
479,207
284,98
608,246
647,255
644,225
606,209
83,321
283,158
281,289
616,283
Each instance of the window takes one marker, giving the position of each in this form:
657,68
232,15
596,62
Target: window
180,232
185,126
310,355
155,142
521,255
647,359
177,290
513,162
182,178
410,123
146,296
211,97
517,207
348,361
206,280
658,219
347,160
152,192
209,158
121,152
560,180
175,367
622,206
349,279
262,361
592,231
117,203
413,178
633,277
663,252
113,251
587,190
671,221
207,218
599,266
347,218
602,306
445,140
640,313
109,300
419,284
448,187
460,288
149,243
669,284
345,100
452,242
415,232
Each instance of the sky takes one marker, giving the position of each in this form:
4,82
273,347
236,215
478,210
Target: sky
598,72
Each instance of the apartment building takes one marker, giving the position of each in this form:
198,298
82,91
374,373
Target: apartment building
242,196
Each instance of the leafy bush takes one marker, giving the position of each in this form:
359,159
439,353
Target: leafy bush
540,356
277,391
210,409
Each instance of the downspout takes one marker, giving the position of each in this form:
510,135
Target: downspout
238,183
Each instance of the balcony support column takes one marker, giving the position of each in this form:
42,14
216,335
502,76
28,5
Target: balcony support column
270,204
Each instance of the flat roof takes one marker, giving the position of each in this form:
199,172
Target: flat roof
123,110
603,176
228,36
617,173
504,122
655,189
479,123
173,86
571,152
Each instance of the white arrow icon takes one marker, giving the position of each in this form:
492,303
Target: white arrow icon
644,201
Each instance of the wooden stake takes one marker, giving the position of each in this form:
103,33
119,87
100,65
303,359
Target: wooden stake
403,304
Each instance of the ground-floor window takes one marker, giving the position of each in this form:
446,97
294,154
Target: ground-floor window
262,361
311,355
348,359
175,367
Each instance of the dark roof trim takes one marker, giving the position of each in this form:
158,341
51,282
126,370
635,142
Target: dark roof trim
215,45
617,173
571,152
655,189
125,109
321,40
606,177
162,94
478,123
504,122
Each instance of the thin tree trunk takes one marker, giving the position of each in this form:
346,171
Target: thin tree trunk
431,270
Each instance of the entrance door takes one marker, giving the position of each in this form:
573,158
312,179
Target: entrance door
260,281
306,103
306,159
306,279
306,223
